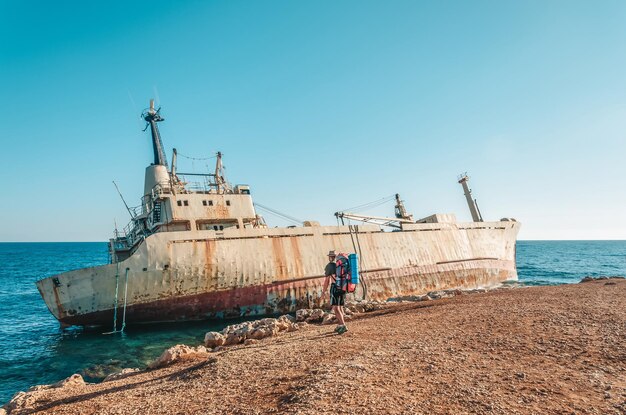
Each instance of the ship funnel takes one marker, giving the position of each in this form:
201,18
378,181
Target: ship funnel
473,206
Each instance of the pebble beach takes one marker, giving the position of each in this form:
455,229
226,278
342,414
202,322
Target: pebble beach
533,350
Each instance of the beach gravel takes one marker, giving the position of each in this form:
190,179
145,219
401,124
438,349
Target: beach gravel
539,350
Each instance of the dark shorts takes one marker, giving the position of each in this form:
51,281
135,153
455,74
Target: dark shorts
337,297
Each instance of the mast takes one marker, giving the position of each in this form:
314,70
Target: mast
152,117
401,212
473,206
174,157
220,180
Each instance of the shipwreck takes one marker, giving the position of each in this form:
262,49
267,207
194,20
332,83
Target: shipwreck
196,248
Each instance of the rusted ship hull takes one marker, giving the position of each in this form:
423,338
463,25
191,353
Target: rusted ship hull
199,275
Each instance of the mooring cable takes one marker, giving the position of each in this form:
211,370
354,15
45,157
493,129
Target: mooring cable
125,298
117,283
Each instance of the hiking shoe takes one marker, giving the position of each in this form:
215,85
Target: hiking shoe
342,329
337,328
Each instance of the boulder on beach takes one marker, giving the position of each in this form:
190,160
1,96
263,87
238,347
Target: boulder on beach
28,399
328,318
213,339
259,333
72,381
316,316
303,314
178,352
254,330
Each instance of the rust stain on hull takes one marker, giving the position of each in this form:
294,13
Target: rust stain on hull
192,275
279,258
287,296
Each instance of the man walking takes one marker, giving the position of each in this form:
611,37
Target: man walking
337,296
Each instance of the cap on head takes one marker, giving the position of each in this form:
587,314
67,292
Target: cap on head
331,253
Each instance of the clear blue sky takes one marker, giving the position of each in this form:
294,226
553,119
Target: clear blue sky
529,97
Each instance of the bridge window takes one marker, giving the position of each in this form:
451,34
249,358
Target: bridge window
228,203
215,225
179,202
180,225
186,202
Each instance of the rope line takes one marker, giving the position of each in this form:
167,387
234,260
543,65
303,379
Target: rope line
277,213
125,297
194,158
117,281
371,205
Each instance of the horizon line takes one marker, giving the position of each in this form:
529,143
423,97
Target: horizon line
518,240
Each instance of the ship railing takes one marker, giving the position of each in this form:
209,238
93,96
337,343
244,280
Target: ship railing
135,210
205,186
156,192
128,232
131,233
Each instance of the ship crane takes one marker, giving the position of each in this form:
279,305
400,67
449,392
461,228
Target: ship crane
401,216
377,220
471,202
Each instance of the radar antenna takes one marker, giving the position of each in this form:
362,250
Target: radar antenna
152,117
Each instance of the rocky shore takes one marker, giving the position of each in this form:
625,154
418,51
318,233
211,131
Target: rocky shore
556,350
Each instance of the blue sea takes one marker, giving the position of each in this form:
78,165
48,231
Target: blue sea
34,350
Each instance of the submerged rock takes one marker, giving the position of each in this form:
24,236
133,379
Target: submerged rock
102,370
602,277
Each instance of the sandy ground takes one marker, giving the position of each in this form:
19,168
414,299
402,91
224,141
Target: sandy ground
540,350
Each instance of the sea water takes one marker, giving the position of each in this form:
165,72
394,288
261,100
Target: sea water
34,350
